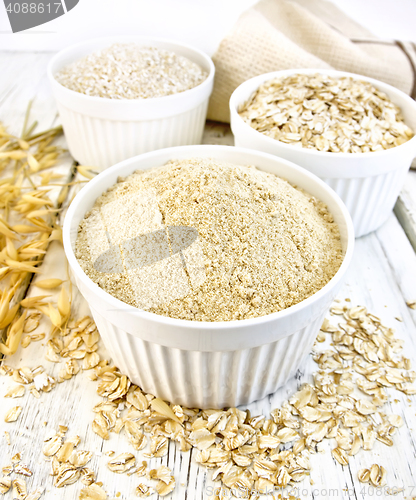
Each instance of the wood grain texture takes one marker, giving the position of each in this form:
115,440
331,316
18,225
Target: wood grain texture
382,277
405,208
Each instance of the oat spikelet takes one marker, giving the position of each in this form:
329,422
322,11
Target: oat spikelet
24,199
48,284
159,406
64,304
54,316
86,172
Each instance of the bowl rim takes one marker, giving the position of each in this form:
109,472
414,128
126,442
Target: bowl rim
235,102
190,324
163,100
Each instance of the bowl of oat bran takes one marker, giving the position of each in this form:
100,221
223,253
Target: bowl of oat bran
121,96
209,313
354,132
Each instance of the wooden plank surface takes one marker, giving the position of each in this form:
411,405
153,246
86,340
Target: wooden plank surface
382,277
405,208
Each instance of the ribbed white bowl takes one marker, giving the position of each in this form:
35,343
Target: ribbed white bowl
101,132
207,364
369,200
208,379
368,183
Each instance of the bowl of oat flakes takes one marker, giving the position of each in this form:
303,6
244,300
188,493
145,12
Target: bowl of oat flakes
354,132
208,269
121,96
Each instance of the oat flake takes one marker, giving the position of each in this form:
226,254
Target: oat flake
326,113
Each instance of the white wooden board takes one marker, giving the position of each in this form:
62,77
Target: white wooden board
382,277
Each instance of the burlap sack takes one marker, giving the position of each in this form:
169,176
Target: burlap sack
283,34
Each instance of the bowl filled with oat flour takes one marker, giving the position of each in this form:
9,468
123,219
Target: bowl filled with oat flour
354,132
118,97
208,269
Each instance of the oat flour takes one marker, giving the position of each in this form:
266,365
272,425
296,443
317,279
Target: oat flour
203,240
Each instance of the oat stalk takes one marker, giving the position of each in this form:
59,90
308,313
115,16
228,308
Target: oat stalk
28,223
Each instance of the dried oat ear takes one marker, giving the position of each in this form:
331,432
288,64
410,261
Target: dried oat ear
23,244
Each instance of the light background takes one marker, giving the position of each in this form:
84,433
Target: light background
202,23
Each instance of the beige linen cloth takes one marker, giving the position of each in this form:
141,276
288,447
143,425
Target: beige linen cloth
283,34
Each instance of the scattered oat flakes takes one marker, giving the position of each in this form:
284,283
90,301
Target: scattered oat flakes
93,492
5,369
87,476
5,484
326,113
23,375
163,473
80,458
7,470
52,445
13,414
67,474
158,446
378,475
23,470
328,408
321,336
19,489
121,463
364,475
142,469
340,456
364,354
16,391
143,490
395,420
32,322
35,495
164,488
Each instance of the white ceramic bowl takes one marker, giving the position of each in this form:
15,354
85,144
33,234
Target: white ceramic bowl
368,183
207,364
101,132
